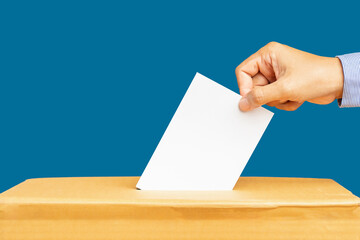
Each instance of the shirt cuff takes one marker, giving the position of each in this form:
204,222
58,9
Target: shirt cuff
351,90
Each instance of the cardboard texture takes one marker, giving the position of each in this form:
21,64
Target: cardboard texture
111,208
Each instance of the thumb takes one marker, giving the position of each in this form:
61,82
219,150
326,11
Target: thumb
259,96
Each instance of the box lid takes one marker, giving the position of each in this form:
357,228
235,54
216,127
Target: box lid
249,192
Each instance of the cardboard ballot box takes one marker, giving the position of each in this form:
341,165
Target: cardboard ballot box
111,208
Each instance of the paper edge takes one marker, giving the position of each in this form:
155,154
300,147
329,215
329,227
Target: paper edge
202,77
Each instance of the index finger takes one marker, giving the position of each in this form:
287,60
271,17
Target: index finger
246,71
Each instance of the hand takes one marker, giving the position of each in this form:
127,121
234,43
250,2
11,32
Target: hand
284,77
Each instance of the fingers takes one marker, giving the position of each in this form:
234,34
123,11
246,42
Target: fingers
289,106
245,72
260,80
275,103
261,95
271,94
260,62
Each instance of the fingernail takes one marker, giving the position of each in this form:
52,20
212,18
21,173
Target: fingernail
244,104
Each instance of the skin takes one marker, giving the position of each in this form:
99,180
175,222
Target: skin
283,77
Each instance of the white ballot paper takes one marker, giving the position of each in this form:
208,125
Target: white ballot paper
207,143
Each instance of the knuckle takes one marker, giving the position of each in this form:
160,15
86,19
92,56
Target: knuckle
272,46
237,69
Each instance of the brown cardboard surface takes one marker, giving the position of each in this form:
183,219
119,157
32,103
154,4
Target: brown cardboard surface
111,208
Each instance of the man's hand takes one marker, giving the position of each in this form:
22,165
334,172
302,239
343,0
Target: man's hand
284,77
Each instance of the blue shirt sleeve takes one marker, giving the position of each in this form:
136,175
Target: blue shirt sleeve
351,90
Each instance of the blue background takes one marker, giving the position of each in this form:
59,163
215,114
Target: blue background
88,88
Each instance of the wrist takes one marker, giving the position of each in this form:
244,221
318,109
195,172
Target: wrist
336,76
